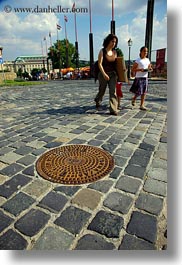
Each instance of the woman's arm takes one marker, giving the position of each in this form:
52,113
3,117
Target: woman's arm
100,60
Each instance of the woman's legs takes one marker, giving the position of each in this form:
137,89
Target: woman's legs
112,93
102,89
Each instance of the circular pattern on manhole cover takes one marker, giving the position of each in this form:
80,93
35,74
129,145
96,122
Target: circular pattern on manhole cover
74,164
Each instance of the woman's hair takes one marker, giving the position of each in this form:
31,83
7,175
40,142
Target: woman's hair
108,39
141,49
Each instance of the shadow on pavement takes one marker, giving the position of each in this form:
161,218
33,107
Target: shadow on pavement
67,110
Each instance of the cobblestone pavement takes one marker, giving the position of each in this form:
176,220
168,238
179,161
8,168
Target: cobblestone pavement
124,210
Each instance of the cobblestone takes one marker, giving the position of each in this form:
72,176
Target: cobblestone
126,210
72,219
143,226
128,184
18,203
13,185
12,240
87,198
133,243
32,222
62,240
53,202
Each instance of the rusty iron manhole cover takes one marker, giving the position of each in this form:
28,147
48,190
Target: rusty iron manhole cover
74,164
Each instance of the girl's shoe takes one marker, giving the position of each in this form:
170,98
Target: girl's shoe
114,113
143,108
133,102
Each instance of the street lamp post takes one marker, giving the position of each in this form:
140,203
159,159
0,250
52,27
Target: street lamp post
149,27
112,21
129,46
76,38
91,48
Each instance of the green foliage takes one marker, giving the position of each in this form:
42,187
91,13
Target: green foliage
44,70
5,71
62,53
35,71
20,82
25,75
119,52
19,72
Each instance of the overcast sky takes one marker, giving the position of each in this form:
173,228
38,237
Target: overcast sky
21,33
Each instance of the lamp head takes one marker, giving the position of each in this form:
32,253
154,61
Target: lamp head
130,42
1,49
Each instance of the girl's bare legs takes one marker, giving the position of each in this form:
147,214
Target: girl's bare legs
142,107
133,100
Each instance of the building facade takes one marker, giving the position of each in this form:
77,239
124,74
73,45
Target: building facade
29,62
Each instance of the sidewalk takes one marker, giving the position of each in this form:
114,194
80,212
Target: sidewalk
124,210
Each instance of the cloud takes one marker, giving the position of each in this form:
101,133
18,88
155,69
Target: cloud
136,31
25,34
160,33
22,33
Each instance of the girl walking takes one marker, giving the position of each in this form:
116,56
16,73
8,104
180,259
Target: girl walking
140,70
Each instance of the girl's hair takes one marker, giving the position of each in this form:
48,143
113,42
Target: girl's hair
141,49
108,39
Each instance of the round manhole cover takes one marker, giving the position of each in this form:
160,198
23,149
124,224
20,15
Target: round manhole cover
74,164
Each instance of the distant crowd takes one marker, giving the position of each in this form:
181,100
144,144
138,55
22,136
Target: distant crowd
75,75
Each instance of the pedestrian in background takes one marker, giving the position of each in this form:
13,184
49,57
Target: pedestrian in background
107,74
140,70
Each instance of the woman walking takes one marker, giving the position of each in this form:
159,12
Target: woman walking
107,74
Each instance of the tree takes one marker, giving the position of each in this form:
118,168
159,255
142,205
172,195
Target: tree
25,74
19,72
35,73
119,52
57,54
